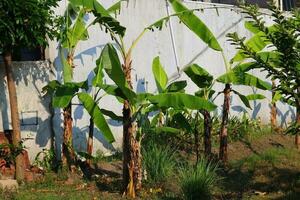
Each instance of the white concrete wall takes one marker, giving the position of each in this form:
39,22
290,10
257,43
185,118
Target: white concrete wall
136,15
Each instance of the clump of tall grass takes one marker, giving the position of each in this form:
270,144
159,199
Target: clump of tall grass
197,182
159,162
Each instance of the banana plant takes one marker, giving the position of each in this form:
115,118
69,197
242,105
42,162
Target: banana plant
71,34
179,117
74,30
236,76
137,107
131,178
205,82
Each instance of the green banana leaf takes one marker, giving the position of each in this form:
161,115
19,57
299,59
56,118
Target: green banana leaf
64,94
116,7
114,91
245,67
51,87
104,18
253,97
177,86
238,77
161,78
93,109
196,25
243,98
180,101
77,32
112,115
199,76
67,69
206,93
109,60
276,97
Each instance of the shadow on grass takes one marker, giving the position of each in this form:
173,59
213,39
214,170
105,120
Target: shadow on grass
111,185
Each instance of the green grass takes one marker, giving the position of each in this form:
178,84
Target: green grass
159,162
271,156
50,187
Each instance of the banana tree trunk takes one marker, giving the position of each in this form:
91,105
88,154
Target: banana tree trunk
90,140
132,164
68,154
68,157
16,137
273,110
223,132
207,133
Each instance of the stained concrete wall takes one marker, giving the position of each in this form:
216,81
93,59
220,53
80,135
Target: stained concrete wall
33,107
175,45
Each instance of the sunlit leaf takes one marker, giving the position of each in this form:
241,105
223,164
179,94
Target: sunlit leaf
196,25
253,97
161,78
238,77
93,109
110,60
181,101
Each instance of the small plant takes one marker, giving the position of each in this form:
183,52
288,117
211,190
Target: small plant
159,162
45,159
197,183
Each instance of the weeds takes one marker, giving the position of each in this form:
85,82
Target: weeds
198,182
46,159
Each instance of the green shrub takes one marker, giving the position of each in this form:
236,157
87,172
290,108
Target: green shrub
46,159
197,182
159,162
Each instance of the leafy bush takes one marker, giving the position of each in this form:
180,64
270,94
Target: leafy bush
198,182
159,162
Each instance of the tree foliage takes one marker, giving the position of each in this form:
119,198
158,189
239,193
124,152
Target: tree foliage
279,52
27,23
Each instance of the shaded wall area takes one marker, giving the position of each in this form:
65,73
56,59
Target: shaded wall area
34,110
